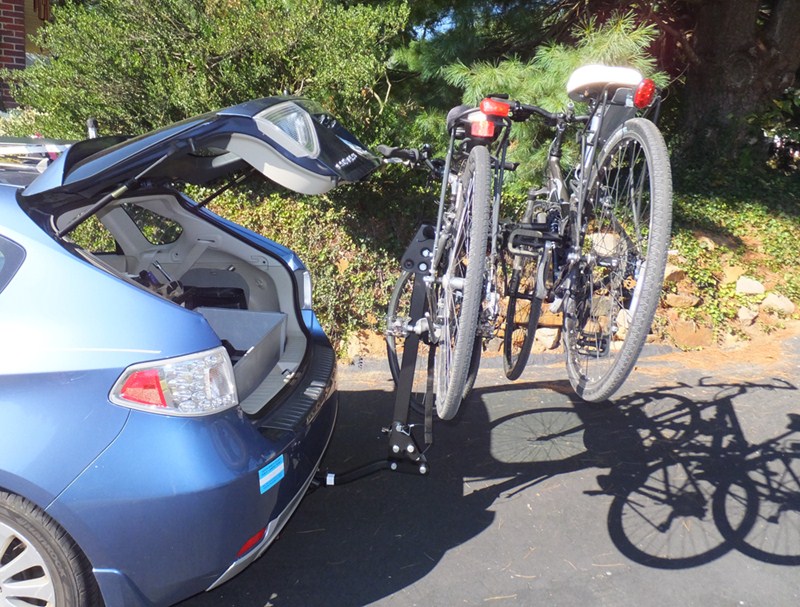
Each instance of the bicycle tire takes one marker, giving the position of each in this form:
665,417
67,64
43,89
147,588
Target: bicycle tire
459,297
521,320
609,310
399,308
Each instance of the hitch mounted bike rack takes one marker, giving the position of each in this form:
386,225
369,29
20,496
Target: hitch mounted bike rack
404,453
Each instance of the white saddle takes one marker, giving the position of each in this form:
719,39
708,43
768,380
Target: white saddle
590,80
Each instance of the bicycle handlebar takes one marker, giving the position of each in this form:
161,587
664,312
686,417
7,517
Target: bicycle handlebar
412,157
409,155
520,112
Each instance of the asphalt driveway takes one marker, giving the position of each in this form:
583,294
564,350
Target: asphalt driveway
684,492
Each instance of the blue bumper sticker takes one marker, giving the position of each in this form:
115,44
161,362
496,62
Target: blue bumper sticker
271,474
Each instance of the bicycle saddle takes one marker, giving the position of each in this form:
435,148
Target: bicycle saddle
457,114
589,81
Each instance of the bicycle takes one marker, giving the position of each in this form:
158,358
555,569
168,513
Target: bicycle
591,246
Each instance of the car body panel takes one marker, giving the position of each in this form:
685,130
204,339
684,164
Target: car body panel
181,152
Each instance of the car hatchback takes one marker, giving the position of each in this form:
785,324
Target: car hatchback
167,394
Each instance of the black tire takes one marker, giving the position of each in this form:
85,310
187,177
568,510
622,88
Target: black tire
50,567
610,308
399,310
459,294
522,314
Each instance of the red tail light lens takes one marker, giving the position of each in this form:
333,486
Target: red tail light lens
144,387
482,128
645,93
492,107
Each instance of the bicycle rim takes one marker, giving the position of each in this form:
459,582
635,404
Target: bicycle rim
611,305
460,290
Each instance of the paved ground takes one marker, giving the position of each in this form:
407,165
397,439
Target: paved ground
682,493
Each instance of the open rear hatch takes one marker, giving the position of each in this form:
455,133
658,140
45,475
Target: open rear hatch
289,140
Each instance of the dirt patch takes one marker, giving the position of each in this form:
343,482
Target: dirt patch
761,349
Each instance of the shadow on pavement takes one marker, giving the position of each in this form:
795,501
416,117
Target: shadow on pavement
670,467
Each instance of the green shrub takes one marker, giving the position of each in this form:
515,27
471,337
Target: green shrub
139,64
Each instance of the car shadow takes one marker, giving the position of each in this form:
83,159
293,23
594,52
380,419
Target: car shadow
684,485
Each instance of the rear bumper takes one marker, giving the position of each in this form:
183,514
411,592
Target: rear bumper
165,511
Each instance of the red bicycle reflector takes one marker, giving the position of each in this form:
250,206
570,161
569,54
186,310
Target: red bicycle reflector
482,128
492,107
251,543
644,94
144,387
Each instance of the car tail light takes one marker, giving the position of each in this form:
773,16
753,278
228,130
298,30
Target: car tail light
197,384
493,107
644,94
292,127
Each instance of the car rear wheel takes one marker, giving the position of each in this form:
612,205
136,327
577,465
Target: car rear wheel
40,564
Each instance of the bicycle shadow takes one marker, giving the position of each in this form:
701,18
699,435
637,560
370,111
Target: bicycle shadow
358,543
692,487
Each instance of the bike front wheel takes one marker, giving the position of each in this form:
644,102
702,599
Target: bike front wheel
459,293
627,216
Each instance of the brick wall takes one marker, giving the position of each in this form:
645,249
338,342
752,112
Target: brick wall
12,42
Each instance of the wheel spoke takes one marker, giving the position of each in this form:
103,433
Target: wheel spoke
23,573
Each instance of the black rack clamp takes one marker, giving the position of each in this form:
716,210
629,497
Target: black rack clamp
405,454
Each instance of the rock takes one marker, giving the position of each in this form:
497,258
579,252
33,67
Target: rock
749,286
623,323
706,243
731,274
605,244
548,338
776,302
747,316
681,300
674,274
688,334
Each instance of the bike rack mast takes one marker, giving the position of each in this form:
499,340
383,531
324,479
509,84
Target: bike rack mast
404,454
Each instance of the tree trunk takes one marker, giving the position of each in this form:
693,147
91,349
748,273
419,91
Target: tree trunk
744,58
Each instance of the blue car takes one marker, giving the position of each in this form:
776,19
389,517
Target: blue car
166,392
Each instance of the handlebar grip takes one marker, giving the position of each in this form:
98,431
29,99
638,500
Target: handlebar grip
408,154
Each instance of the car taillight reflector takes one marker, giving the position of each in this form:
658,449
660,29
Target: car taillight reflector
251,543
492,107
644,94
196,384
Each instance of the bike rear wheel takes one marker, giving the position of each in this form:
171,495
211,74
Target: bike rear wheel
610,307
459,294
